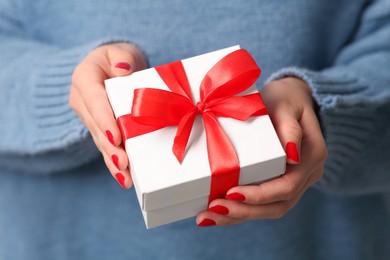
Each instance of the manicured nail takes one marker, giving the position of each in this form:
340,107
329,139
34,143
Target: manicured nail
207,223
292,151
219,209
115,160
121,179
235,196
123,65
110,137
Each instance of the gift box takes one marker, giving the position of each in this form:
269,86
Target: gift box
193,129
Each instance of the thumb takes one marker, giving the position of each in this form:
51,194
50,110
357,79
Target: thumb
122,62
289,131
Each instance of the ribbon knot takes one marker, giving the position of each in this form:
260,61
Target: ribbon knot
200,106
155,108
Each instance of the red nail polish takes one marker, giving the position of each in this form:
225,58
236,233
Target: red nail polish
219,209
292,151
207,223
115,160
121,179
110,137
123,65
235,196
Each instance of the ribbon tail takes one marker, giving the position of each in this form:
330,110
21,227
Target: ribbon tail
183,134
224,163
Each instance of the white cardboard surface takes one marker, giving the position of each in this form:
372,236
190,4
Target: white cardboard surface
169,191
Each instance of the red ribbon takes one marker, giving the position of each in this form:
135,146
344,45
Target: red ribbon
154,109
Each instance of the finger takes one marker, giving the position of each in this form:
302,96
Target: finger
242,211
208,218
76,103
286,186
114,156
314,141
285,120
282,188
316,176
121,62
116,153
125,59
123,177
95,99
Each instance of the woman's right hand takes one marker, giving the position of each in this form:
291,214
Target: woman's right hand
291,108
89,100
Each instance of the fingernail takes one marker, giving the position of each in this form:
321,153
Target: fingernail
292,151
235,196
110,137
123,65
207,223
121,179
219,209
115,160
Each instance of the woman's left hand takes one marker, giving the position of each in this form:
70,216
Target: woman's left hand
290,106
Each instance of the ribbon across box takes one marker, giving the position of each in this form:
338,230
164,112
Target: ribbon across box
192,130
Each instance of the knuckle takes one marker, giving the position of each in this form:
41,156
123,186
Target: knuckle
100,123
258,196
321,153
289,195
324,152
118,52
290,191
319,174
93,107
279,212
75,75
243,213
97,143
292,129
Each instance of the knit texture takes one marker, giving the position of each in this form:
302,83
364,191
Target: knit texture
354,99
74,210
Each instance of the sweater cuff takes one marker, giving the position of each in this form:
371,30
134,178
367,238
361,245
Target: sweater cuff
57,125
345,122
329,87
58,131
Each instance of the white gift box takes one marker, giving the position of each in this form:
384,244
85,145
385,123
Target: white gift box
168,191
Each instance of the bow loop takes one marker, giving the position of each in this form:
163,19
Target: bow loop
168,107
224,80
175,78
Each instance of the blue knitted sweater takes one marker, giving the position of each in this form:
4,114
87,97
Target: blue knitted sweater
57,200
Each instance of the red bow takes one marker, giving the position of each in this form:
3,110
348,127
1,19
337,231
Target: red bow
155,108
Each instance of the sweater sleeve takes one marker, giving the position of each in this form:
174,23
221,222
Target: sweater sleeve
39,131
354,99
